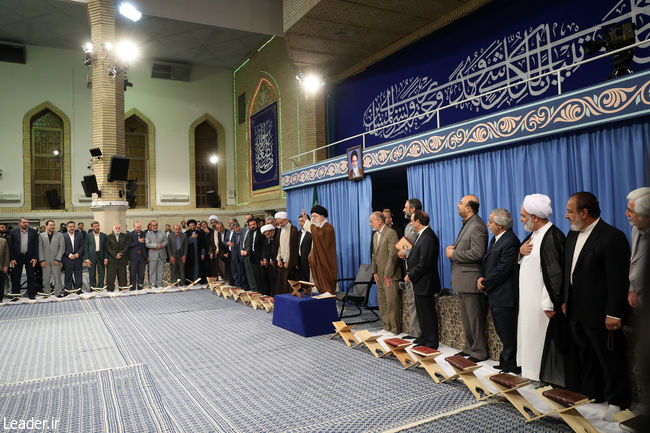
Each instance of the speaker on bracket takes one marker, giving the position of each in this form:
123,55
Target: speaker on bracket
119,169
89,185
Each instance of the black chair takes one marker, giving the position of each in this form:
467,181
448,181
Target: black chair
357,293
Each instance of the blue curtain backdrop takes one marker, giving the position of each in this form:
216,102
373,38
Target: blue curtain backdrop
607,160
349,205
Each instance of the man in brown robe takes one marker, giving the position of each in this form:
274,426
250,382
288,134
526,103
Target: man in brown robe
322,258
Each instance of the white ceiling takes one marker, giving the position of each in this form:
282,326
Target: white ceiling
64,24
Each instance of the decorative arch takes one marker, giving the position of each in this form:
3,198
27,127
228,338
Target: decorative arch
27,155
151,147
221,153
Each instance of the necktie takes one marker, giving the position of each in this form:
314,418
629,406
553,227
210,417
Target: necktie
494,239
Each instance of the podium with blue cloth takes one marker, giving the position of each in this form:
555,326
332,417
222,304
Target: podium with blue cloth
305,316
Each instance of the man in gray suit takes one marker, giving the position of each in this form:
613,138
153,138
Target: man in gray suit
156,242
50,251
95,255
466,256
177,251
638,212
117,248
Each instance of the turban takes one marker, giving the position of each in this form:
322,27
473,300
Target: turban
213,217
267,227
538,204
191,222
282,215
320,210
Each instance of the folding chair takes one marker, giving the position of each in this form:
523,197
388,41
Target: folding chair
357,293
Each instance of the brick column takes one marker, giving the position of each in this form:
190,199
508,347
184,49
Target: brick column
107,115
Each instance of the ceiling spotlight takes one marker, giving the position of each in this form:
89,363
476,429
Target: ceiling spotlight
126,52
107,46
312,83
129,11
214,159
56,152
88,47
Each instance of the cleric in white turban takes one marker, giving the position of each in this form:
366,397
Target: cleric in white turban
541,275
267,228
538,204
286,248
281,215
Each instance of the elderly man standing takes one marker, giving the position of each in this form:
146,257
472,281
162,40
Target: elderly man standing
466,256
286,246
117,249
50,251
638,212
597,261
387,272
157,245
95,256
23,251
137,256
498,278
541,325
177,251
322,258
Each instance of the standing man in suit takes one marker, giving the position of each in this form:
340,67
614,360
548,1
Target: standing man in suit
423,274
541,326
4,265
50,251
237,260
224,255
638,212
252,251
177,251
304,248
95,255
498,278
597,258
196,251
23,251
214,248
73,257
157,245
387,272
137,256
410,207
286,246
466,256
117,249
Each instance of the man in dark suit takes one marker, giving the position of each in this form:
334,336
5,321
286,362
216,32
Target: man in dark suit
177,253
73,257
304,248
423,274
466,256
137,256
237,260
23,251
252,251
597,260
95,255
498,278
117,249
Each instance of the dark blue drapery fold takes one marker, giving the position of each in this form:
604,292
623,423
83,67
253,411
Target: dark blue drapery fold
609,161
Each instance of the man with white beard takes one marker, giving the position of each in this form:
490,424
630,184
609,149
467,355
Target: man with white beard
541,325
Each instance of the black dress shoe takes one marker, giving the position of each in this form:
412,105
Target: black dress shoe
498,366
418,342
461,353
408,337
471,358
513,370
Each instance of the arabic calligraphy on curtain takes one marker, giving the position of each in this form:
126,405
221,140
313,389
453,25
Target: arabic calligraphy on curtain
264,148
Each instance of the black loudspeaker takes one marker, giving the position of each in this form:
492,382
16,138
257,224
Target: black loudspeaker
213,199
119,168
53,198
90,186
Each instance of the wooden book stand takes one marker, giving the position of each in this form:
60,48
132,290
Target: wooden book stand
46,295
256,302
426,357
212,282
300,288
225,292
345,332
564,403
508,386
192,284
370,341
267,303
98,289
464,369
397,347
236,293
169,285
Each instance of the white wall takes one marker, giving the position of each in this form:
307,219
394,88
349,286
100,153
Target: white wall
59,76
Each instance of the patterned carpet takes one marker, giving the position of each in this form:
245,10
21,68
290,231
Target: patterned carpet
195,362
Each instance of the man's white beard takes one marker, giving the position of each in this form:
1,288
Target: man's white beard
576,227
529,225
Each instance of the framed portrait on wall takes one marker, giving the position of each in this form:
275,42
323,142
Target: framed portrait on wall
355,164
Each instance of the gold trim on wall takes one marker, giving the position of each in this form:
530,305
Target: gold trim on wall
151,150
221,153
